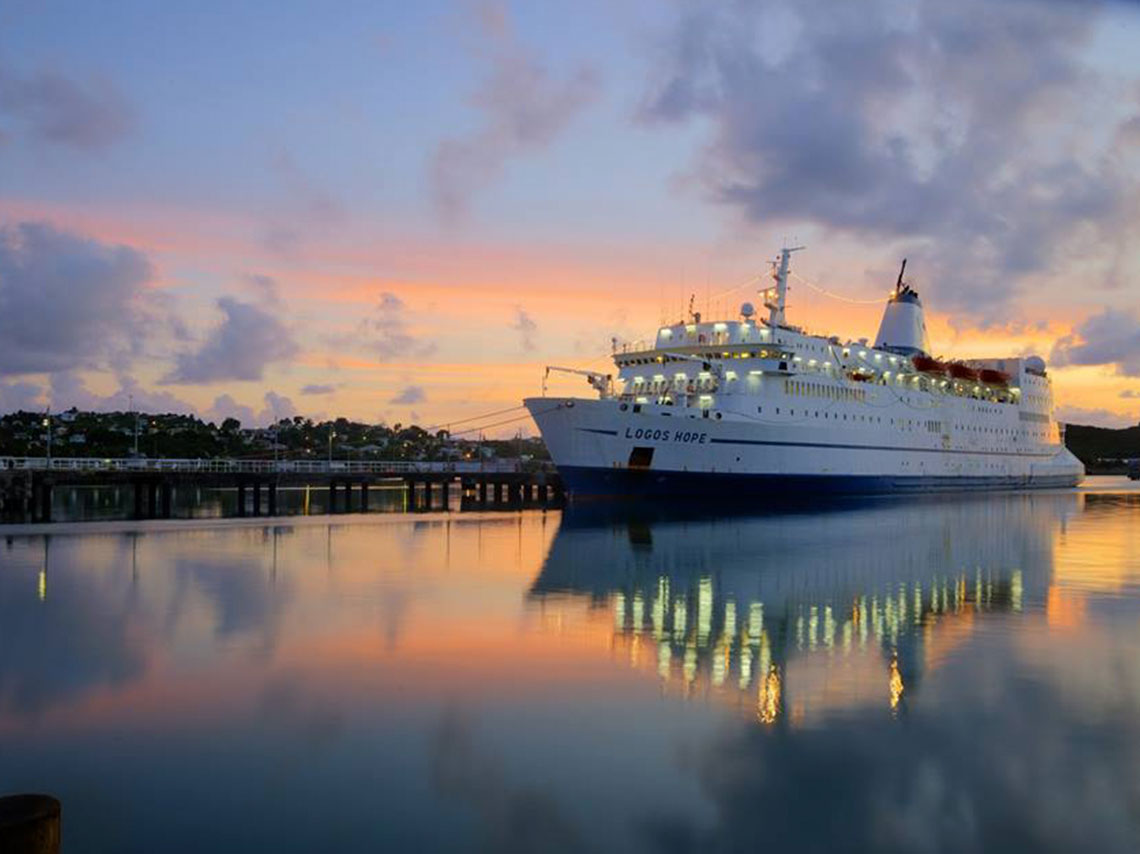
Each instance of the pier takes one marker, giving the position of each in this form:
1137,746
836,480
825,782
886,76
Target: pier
27,483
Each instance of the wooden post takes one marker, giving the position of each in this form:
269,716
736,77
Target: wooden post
29,824
444,494
167,495
139,486
241,498
272,498
152,499
483,491
45,501
363,496
256,497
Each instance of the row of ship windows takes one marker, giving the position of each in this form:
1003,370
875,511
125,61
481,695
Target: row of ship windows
759,354
908,423
797,387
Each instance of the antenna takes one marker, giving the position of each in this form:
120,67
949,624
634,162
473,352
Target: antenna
780,270
899,283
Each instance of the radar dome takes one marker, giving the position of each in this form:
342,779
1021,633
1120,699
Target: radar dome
747,310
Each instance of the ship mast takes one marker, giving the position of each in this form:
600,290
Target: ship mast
780,271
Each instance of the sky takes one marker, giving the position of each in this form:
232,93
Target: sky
402,212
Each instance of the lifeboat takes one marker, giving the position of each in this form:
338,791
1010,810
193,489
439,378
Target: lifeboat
928,365
992,377
962,372
860,376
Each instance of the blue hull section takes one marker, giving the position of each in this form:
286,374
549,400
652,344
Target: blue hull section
584,482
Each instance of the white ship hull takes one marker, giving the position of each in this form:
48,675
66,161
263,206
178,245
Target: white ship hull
593,443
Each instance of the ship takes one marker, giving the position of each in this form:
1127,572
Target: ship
757,408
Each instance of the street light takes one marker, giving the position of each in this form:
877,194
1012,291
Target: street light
47,429
131,406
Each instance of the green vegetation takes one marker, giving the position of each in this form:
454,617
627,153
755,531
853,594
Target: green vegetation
112,434
1102,449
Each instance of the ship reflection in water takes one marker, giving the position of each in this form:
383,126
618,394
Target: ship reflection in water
803,614
950,674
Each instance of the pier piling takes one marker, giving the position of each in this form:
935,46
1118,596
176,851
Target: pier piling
29,824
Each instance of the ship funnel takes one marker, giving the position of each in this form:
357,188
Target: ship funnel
903,329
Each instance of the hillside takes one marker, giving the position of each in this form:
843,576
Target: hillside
1100,448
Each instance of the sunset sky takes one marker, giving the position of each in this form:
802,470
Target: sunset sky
402,211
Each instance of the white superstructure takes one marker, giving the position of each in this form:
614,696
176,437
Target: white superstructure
760,406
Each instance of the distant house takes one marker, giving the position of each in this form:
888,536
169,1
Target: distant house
77,439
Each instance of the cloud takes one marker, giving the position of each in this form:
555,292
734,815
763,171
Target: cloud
277,406
1111,337
1094,417
318,389
410,395
226,407
68,389
525,326
265,289
21,397
523,108
1130,393
66,301
305,209
386,332
961,130
89,115
247,341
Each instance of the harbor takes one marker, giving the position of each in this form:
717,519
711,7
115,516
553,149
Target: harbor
570,428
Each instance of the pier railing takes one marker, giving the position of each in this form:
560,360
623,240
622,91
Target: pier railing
222,466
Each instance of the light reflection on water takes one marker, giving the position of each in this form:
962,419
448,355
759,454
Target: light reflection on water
949,675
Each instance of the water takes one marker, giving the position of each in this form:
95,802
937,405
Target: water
108,503
954,674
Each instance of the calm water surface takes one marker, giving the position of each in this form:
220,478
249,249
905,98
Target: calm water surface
960,674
